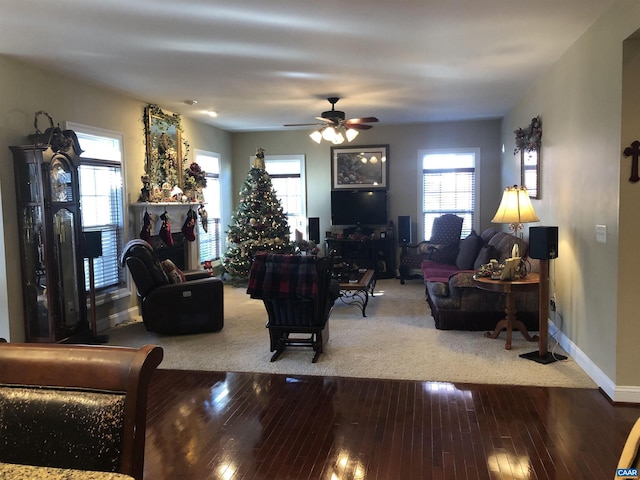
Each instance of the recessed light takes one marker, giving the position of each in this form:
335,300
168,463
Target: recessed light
190,102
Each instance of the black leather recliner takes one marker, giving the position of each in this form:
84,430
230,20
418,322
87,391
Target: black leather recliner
193,306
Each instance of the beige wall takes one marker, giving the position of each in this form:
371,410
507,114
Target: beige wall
26,90
404,180
580,102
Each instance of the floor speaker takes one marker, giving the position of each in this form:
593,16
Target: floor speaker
543,242
314,229
92,244
404,228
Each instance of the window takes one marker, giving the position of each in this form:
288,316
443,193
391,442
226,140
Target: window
287,177
210,242
101,198
448,186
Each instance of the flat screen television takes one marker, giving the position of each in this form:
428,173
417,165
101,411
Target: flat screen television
359,207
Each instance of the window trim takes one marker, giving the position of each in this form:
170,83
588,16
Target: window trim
431,151
209,153
301,159
113,293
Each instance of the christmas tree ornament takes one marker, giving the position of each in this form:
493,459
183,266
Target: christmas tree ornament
188,226
258,162
165,229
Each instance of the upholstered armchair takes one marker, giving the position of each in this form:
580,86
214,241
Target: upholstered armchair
442,247
174,304
80,407
298,294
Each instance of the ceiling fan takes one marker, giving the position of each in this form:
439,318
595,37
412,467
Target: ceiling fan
334,127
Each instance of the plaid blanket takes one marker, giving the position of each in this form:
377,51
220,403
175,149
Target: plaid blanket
283,276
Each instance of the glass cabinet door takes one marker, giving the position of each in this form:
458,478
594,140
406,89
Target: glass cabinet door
66,251
61,178
37,311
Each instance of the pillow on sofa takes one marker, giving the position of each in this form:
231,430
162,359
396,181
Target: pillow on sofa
469,250
174,274
486,253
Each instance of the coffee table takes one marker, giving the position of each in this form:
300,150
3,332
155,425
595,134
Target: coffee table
357,290
510,288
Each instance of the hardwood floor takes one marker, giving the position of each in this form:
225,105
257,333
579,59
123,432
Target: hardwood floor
210,425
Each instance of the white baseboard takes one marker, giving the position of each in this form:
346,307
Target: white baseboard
114,319
623,394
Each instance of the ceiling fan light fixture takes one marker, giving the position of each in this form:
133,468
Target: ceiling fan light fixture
316,136
329,134
335,128
351,133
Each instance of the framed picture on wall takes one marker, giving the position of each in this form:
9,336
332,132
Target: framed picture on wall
363,167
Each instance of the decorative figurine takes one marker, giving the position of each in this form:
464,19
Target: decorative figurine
145,191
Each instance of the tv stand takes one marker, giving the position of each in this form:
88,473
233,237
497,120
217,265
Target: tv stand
373,253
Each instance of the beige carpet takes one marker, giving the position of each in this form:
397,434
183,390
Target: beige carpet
397,340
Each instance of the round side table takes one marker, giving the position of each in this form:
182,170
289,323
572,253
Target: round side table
510,288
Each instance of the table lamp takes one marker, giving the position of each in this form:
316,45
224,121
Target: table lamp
515,209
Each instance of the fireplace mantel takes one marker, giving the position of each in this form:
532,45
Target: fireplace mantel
177,216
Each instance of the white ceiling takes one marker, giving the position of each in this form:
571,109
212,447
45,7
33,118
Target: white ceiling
263,63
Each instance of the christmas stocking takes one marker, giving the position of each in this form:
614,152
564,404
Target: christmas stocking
204,216
189,224
145,233
165,230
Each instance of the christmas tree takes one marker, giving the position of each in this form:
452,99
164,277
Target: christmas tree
259,223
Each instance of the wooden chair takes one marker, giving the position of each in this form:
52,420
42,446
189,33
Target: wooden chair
298,295
75,406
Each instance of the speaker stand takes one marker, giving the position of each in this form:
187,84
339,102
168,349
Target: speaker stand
542,355
95,338
543,359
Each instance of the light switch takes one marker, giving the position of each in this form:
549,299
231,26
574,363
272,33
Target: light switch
601,233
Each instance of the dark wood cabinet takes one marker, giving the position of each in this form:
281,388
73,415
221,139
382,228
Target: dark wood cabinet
50,233
374,253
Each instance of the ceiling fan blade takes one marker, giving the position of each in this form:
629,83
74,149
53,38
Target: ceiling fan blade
326,119
357,126
301,124
362,120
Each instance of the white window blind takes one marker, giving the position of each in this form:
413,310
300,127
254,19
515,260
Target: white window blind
448,186
101,200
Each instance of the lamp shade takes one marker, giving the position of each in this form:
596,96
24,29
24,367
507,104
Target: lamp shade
515,207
